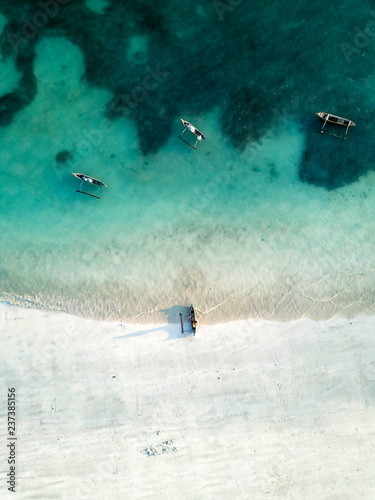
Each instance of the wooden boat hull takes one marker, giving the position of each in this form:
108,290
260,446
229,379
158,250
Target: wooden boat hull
337,120
90,180
192,319
192,129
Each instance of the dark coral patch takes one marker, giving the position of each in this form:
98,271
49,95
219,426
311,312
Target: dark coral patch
13,102
256,61
247,116
63,156
332,162
9,105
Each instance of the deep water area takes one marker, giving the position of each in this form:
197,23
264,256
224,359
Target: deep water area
258,61
252,219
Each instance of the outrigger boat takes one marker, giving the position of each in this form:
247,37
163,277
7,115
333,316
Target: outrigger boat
193,319
90,180
337,120
189,126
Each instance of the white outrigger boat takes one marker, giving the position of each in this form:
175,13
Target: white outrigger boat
337,120
196,132
90,180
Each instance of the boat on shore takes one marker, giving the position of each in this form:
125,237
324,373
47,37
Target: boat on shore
90,180
336,120
193,319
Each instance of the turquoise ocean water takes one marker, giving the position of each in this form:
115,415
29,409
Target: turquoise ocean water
268,218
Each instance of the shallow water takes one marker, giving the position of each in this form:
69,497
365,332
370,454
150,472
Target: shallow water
268,218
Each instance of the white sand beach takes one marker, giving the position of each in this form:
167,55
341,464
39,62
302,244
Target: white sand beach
250,409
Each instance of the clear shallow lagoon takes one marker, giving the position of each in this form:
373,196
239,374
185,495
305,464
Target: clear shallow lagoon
268,218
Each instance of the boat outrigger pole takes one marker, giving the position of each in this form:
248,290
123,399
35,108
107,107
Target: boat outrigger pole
89,194
90,180
324,124
336,120
334,135
192,129
346,131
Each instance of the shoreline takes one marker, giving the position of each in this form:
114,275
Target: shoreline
286,307
28,312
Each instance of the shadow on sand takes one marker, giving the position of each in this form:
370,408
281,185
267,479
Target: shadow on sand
173,328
